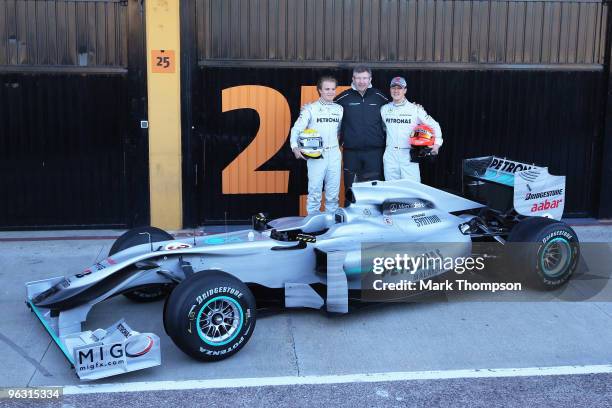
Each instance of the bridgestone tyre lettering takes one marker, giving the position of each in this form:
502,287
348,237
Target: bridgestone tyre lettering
548,239
210,297
132,238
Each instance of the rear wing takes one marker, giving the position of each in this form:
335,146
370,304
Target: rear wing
504,185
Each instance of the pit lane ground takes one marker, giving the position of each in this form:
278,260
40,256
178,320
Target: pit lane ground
570,391
467,332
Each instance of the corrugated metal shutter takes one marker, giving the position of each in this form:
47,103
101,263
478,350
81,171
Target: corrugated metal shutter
63,32
401,31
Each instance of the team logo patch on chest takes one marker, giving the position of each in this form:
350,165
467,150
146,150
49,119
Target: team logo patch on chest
398,120
328,120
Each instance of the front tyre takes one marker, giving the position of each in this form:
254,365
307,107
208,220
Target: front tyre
138,236
210,315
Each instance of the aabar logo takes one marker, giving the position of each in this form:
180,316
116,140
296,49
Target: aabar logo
546,205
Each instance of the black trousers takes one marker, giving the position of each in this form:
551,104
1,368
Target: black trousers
362,165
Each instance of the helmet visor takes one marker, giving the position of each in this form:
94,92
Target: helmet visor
311,142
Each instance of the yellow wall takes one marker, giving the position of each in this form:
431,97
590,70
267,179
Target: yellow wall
162,19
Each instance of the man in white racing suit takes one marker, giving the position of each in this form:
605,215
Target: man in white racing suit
325,117
400,117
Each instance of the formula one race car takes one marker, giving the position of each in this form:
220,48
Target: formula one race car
213,284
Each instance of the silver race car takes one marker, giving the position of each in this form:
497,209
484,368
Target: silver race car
214,284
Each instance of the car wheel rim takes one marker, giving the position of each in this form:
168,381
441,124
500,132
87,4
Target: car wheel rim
555,257
219,321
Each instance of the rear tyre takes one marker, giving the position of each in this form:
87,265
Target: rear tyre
210,315
549,254
132,238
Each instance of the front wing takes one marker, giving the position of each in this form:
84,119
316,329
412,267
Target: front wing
95,354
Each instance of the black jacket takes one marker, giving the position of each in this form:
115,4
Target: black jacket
362,126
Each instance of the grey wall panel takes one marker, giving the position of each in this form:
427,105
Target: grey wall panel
396,31
63,32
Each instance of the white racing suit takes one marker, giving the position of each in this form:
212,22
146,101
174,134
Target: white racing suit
324,117
399,121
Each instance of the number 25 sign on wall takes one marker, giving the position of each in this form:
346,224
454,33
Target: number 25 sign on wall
163,62
241,175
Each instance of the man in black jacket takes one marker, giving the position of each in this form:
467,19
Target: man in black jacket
362,133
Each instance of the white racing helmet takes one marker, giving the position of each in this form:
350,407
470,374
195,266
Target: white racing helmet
310,143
